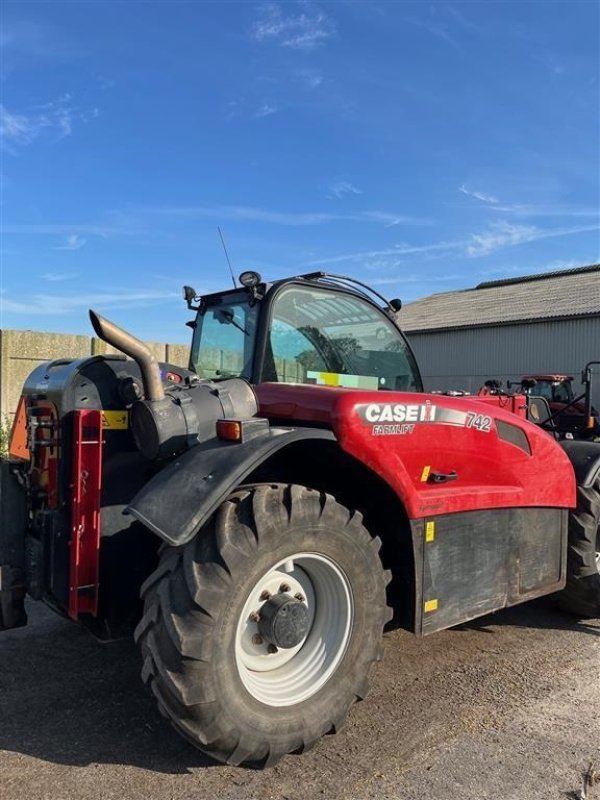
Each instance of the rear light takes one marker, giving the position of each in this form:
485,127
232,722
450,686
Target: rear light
229,429
242,430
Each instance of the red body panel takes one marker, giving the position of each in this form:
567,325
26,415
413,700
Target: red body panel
85,512
515,403
406,437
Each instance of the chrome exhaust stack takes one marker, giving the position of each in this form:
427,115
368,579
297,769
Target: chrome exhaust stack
166,423
136,349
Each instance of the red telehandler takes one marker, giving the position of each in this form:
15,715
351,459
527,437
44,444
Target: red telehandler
253,517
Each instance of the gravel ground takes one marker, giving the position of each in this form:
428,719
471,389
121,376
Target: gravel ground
507,707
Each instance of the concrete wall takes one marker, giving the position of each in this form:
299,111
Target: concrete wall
22,351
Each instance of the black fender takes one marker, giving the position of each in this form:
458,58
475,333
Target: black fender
179,499
585,458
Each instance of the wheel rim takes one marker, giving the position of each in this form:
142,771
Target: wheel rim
288,676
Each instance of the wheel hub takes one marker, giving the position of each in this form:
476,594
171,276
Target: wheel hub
293,629
284,621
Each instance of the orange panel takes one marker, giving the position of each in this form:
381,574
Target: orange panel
18,435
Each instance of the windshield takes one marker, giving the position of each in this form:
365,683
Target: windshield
223,343
554,391
337,339
562,392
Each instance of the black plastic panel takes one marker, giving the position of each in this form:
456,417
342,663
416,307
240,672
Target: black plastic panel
513,434
477,562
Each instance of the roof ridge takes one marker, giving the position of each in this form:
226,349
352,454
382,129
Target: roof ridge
538,276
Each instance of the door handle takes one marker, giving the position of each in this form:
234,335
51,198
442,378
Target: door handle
442,477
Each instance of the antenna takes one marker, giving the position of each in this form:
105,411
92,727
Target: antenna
227,257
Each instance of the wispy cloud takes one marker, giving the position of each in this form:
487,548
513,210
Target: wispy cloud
484,198
244,213
68,303
499,235
25,43
303,31
240,108
436,28
553,63
105,83
310,78
71,229
461,19
533,210
21,128
390,219
342,189
389,252
291,218
505,234
265,110
529,209
73,242
58,277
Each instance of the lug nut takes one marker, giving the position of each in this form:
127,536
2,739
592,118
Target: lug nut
254,617
300,597
257,639
285,587
272,649
266,595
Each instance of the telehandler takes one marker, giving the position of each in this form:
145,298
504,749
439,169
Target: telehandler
253,517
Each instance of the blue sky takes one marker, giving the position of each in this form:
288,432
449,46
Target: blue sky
419,146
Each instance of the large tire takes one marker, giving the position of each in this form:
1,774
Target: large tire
582,593
213,679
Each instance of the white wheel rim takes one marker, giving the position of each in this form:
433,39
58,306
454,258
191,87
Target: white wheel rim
290,676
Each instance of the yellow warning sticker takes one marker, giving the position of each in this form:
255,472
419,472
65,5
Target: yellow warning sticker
430,605
425,474
429,531
115,420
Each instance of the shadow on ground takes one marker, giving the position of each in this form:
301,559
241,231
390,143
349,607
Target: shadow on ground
543,614
69,699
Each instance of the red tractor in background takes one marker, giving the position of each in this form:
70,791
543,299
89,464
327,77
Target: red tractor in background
253,517
569,414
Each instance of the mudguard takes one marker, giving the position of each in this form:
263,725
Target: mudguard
177,501
585,458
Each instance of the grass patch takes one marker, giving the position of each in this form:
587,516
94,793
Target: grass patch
5,429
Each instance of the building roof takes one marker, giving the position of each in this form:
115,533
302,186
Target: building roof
550,295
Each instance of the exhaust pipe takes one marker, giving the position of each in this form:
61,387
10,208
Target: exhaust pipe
140,352
164,424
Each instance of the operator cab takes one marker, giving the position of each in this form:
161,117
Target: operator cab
553,388
311,329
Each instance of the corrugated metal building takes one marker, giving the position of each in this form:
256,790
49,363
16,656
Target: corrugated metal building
508,328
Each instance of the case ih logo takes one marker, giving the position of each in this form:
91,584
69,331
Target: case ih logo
397,412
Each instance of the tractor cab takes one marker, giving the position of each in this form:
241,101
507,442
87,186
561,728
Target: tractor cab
553,388
311,329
